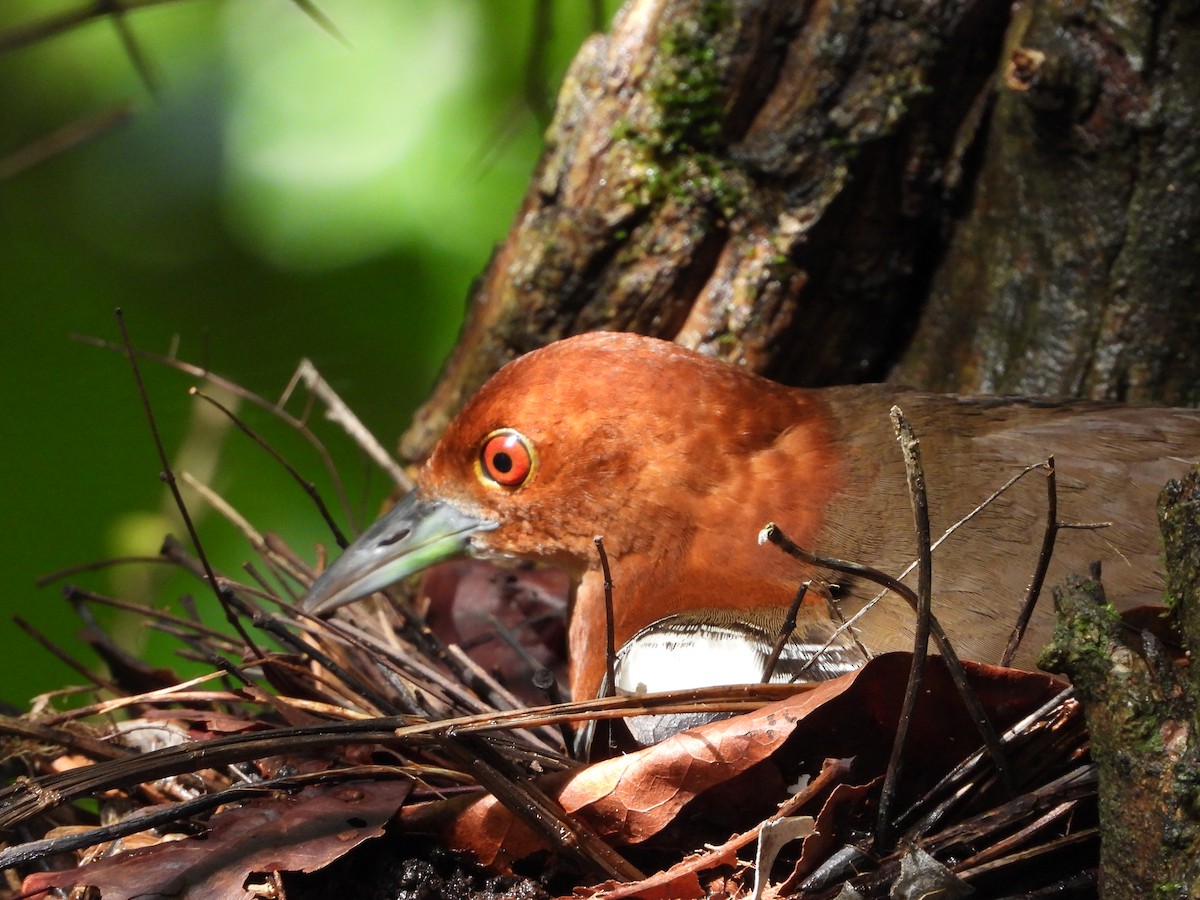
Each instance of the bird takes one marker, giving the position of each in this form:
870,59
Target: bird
678,460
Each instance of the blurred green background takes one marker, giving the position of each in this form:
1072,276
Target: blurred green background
281,195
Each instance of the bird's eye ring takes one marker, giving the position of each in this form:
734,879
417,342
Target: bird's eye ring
506,458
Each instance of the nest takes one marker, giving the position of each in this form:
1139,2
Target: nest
372,753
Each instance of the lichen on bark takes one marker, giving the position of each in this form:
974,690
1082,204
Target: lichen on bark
1141,708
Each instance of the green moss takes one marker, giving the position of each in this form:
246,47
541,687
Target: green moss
688,85
679,149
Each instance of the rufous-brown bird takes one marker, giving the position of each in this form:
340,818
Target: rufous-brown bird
678,461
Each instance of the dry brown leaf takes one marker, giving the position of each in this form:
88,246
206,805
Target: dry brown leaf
302,832
632,798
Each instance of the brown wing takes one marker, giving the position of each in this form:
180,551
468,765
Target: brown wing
1111,462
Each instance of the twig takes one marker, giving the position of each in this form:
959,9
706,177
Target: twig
274,409
54,25
980,507
910,448
137,57
771,532
307,486
63,139
222,664
785,632
51,26
338,412
32,850
42,733
527,801
256,540
261,580
322,21
542,678
60,654
610,650
168,478
99,565
172,694
1043,564
494,694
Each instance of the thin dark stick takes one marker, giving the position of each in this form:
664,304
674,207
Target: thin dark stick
843,627
281,564
322,21
67,738
337,411
610,650
75,594
32,850
99,565
141,63
771,532
65,657
980,507
283,561
1043,564
214,659
307,486
261,580
63,139
544,681
785,632
542,33
542,678
609,688
348,679
542,813
249,396
168,477
910,448
188,602
53,25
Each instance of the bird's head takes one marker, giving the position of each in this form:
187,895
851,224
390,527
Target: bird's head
619,435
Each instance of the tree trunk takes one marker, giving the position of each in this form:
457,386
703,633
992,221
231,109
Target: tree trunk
1074,269
939,190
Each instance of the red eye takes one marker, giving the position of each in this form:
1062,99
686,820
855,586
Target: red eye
507,458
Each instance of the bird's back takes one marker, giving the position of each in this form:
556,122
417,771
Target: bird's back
1111,461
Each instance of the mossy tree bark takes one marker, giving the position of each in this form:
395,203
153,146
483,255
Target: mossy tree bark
959,194
1143,716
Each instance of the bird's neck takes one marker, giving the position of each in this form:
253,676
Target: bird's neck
705,552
